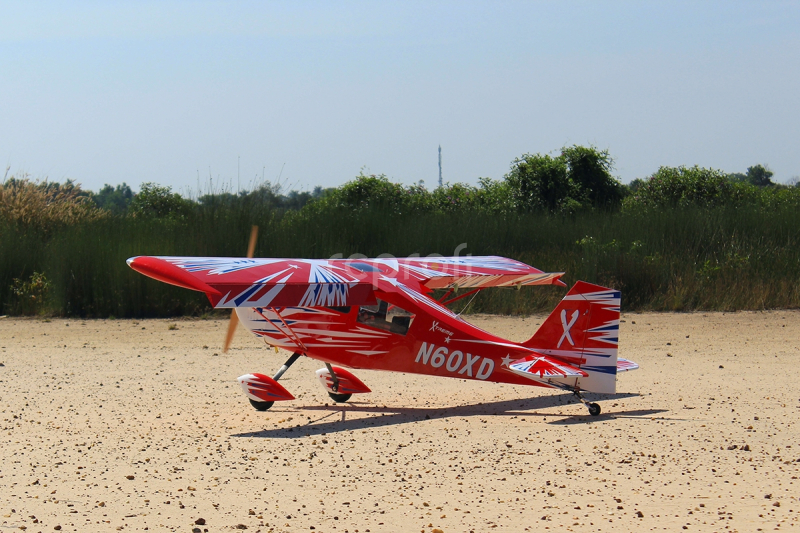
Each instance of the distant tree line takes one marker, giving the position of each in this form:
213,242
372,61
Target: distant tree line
577,179
155,200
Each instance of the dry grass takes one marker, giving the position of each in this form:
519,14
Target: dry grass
43,205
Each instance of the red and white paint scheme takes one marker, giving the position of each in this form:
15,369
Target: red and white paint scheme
380,314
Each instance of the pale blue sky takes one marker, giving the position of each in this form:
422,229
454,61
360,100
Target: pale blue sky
106,92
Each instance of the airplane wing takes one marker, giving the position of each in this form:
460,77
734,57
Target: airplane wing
240,282
475,272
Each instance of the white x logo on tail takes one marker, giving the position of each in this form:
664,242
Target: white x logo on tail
567,327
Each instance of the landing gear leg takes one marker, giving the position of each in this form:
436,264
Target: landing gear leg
289,362
335,380
335,396
263,406
594,409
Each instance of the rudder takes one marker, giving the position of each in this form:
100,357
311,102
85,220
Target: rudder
583,331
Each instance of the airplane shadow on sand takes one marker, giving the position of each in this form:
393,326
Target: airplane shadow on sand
337,420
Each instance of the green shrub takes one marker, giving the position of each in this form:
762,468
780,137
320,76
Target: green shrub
579,178
116,200
590,170
682,187
29,296
156,201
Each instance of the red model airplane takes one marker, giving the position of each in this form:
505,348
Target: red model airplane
379,314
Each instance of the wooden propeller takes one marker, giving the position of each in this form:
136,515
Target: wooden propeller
251,248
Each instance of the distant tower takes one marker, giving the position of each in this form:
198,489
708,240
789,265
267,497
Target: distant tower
440,165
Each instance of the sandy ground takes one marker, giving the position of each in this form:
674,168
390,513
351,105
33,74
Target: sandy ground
132,425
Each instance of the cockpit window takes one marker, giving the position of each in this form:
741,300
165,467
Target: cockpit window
340,309
386,316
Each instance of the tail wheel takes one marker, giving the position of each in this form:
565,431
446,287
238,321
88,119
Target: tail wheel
339,398
261,406
594,409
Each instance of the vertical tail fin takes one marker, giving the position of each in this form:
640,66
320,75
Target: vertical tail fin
583,330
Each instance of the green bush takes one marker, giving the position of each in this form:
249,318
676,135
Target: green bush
579,178
678,187
590,170
156,201
540,183
116,200
685,186
29,296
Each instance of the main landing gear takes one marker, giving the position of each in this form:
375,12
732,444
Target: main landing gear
335,396
594,408
262,391
263,406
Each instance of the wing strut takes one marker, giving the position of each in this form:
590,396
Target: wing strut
445,295
291,334
470,293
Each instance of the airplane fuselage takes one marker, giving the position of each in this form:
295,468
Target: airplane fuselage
435,343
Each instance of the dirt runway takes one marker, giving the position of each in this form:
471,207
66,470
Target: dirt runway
118,425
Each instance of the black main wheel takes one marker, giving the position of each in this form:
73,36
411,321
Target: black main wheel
339,398
261,406
594,409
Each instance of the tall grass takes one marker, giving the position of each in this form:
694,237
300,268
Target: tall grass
666,259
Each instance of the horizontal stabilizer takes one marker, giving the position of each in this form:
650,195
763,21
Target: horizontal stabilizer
541,366
623,365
